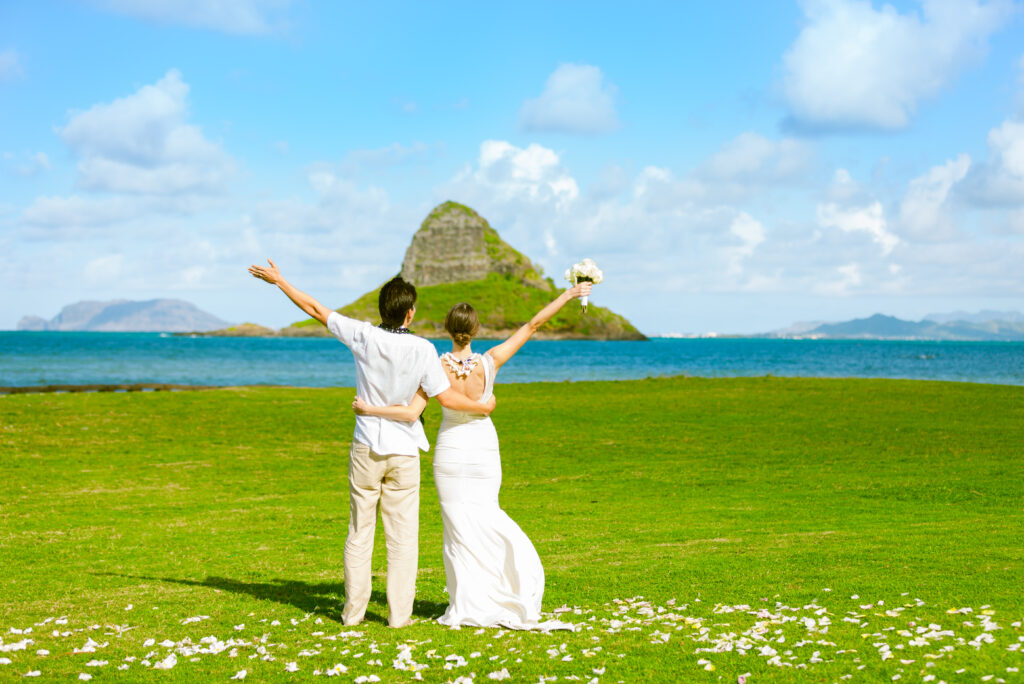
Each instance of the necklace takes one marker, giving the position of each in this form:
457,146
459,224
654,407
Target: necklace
401,330
461,367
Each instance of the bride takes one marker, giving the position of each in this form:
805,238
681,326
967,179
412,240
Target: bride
494,575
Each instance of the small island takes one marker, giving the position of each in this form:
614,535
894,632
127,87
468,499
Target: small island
456,256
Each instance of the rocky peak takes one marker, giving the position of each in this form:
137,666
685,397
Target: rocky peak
455,244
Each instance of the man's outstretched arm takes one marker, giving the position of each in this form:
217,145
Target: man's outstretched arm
302,300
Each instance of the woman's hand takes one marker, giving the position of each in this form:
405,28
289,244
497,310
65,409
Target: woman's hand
360,406
580,290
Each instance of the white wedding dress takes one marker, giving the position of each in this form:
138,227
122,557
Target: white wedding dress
494,575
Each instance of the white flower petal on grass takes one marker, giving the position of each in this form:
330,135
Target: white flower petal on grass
84,676
240,674
291,667
129,607
167,663
16,646
97,663
5,661
33,673
500,674
167,643
198,618
148,642
42,652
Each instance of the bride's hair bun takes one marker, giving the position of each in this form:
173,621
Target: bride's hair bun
462,323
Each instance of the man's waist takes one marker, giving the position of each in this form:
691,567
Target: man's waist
388,436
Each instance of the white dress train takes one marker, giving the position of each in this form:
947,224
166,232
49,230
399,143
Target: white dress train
493,574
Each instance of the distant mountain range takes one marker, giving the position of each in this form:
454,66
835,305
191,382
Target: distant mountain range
984,326
121,315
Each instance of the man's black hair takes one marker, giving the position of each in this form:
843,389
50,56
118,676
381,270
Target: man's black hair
396,298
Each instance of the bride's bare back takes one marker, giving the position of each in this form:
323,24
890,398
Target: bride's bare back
471,385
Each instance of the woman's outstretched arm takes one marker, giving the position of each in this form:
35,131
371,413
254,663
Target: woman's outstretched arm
405,414
507,349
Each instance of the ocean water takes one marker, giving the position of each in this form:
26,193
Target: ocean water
49,358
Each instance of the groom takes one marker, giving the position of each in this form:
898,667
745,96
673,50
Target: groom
384,464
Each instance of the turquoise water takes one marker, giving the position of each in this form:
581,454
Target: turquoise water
48,358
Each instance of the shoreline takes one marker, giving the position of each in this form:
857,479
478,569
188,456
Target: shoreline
118,387
171,387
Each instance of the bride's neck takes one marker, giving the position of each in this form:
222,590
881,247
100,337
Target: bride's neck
461,351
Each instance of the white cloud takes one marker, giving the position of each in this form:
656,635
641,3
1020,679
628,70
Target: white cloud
752,157
739,170
534,174
103,270
246,17
610,181
78,211
750,233
1007,142
924,211
142,144
999,181
576,99
335,190
855,66
869,219
849,277
10,65
844,189
28,164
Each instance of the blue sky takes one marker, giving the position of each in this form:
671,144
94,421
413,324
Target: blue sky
732,167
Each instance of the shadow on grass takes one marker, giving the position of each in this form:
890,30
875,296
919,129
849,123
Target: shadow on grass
326,599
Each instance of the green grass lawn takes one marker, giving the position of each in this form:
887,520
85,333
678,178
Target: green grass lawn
693,529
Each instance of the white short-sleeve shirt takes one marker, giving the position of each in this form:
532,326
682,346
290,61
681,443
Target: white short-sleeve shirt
390,368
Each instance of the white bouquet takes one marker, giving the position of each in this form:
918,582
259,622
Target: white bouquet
584,272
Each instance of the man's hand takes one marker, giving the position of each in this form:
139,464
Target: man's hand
299,298
270,275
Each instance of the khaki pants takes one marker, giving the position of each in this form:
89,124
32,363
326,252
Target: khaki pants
394,481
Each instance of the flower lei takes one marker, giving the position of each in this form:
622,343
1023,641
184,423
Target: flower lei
461,367
400,330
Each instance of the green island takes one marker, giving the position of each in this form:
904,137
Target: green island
456,256
694,529
502,304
